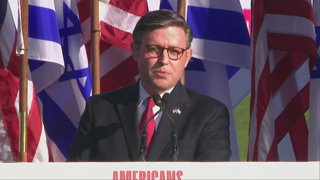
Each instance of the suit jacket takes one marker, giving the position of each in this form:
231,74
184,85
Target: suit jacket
108,129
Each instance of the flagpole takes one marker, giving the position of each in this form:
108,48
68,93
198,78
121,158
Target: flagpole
23,93
182,12
95,46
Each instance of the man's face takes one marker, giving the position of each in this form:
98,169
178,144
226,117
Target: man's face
159,74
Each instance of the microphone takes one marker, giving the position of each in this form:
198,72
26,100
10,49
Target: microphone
143,146
174,136
157,100
165,99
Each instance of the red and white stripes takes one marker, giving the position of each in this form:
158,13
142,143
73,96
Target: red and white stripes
117,21
284,51
9,99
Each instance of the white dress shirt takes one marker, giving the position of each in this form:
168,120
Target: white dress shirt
143,95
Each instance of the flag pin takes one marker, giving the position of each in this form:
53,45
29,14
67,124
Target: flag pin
176,111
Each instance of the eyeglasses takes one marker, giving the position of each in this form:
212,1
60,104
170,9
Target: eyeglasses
156,51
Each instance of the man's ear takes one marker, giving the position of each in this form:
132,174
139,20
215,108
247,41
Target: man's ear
135,51
189,55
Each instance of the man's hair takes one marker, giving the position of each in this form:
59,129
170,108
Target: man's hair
161,19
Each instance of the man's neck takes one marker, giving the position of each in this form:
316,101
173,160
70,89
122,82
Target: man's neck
152,92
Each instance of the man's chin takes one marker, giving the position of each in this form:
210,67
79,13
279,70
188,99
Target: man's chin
162,86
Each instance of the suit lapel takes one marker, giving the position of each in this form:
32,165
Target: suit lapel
128,115
163,134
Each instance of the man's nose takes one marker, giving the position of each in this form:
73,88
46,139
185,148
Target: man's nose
164,58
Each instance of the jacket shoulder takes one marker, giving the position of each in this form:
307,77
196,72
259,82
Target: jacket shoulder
112,97
203,100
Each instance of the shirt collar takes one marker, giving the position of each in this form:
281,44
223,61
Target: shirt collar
143,94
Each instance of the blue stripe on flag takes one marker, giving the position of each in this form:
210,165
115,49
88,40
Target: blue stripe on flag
35,64
195,64
165,5
211,24
231,71
58,126
43,24
76,74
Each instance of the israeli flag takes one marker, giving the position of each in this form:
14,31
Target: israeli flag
45,57
63,101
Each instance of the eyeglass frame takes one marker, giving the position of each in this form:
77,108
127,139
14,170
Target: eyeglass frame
148,45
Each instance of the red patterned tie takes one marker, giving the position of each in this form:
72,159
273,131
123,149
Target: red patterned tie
150,127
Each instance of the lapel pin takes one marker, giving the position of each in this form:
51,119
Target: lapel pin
176,111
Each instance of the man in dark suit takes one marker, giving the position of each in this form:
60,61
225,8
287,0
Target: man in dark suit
111,125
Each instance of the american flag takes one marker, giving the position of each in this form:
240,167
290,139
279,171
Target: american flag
9,94
117,21
314,126
284,52
246,9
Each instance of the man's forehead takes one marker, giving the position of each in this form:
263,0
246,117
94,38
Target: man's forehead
170,30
